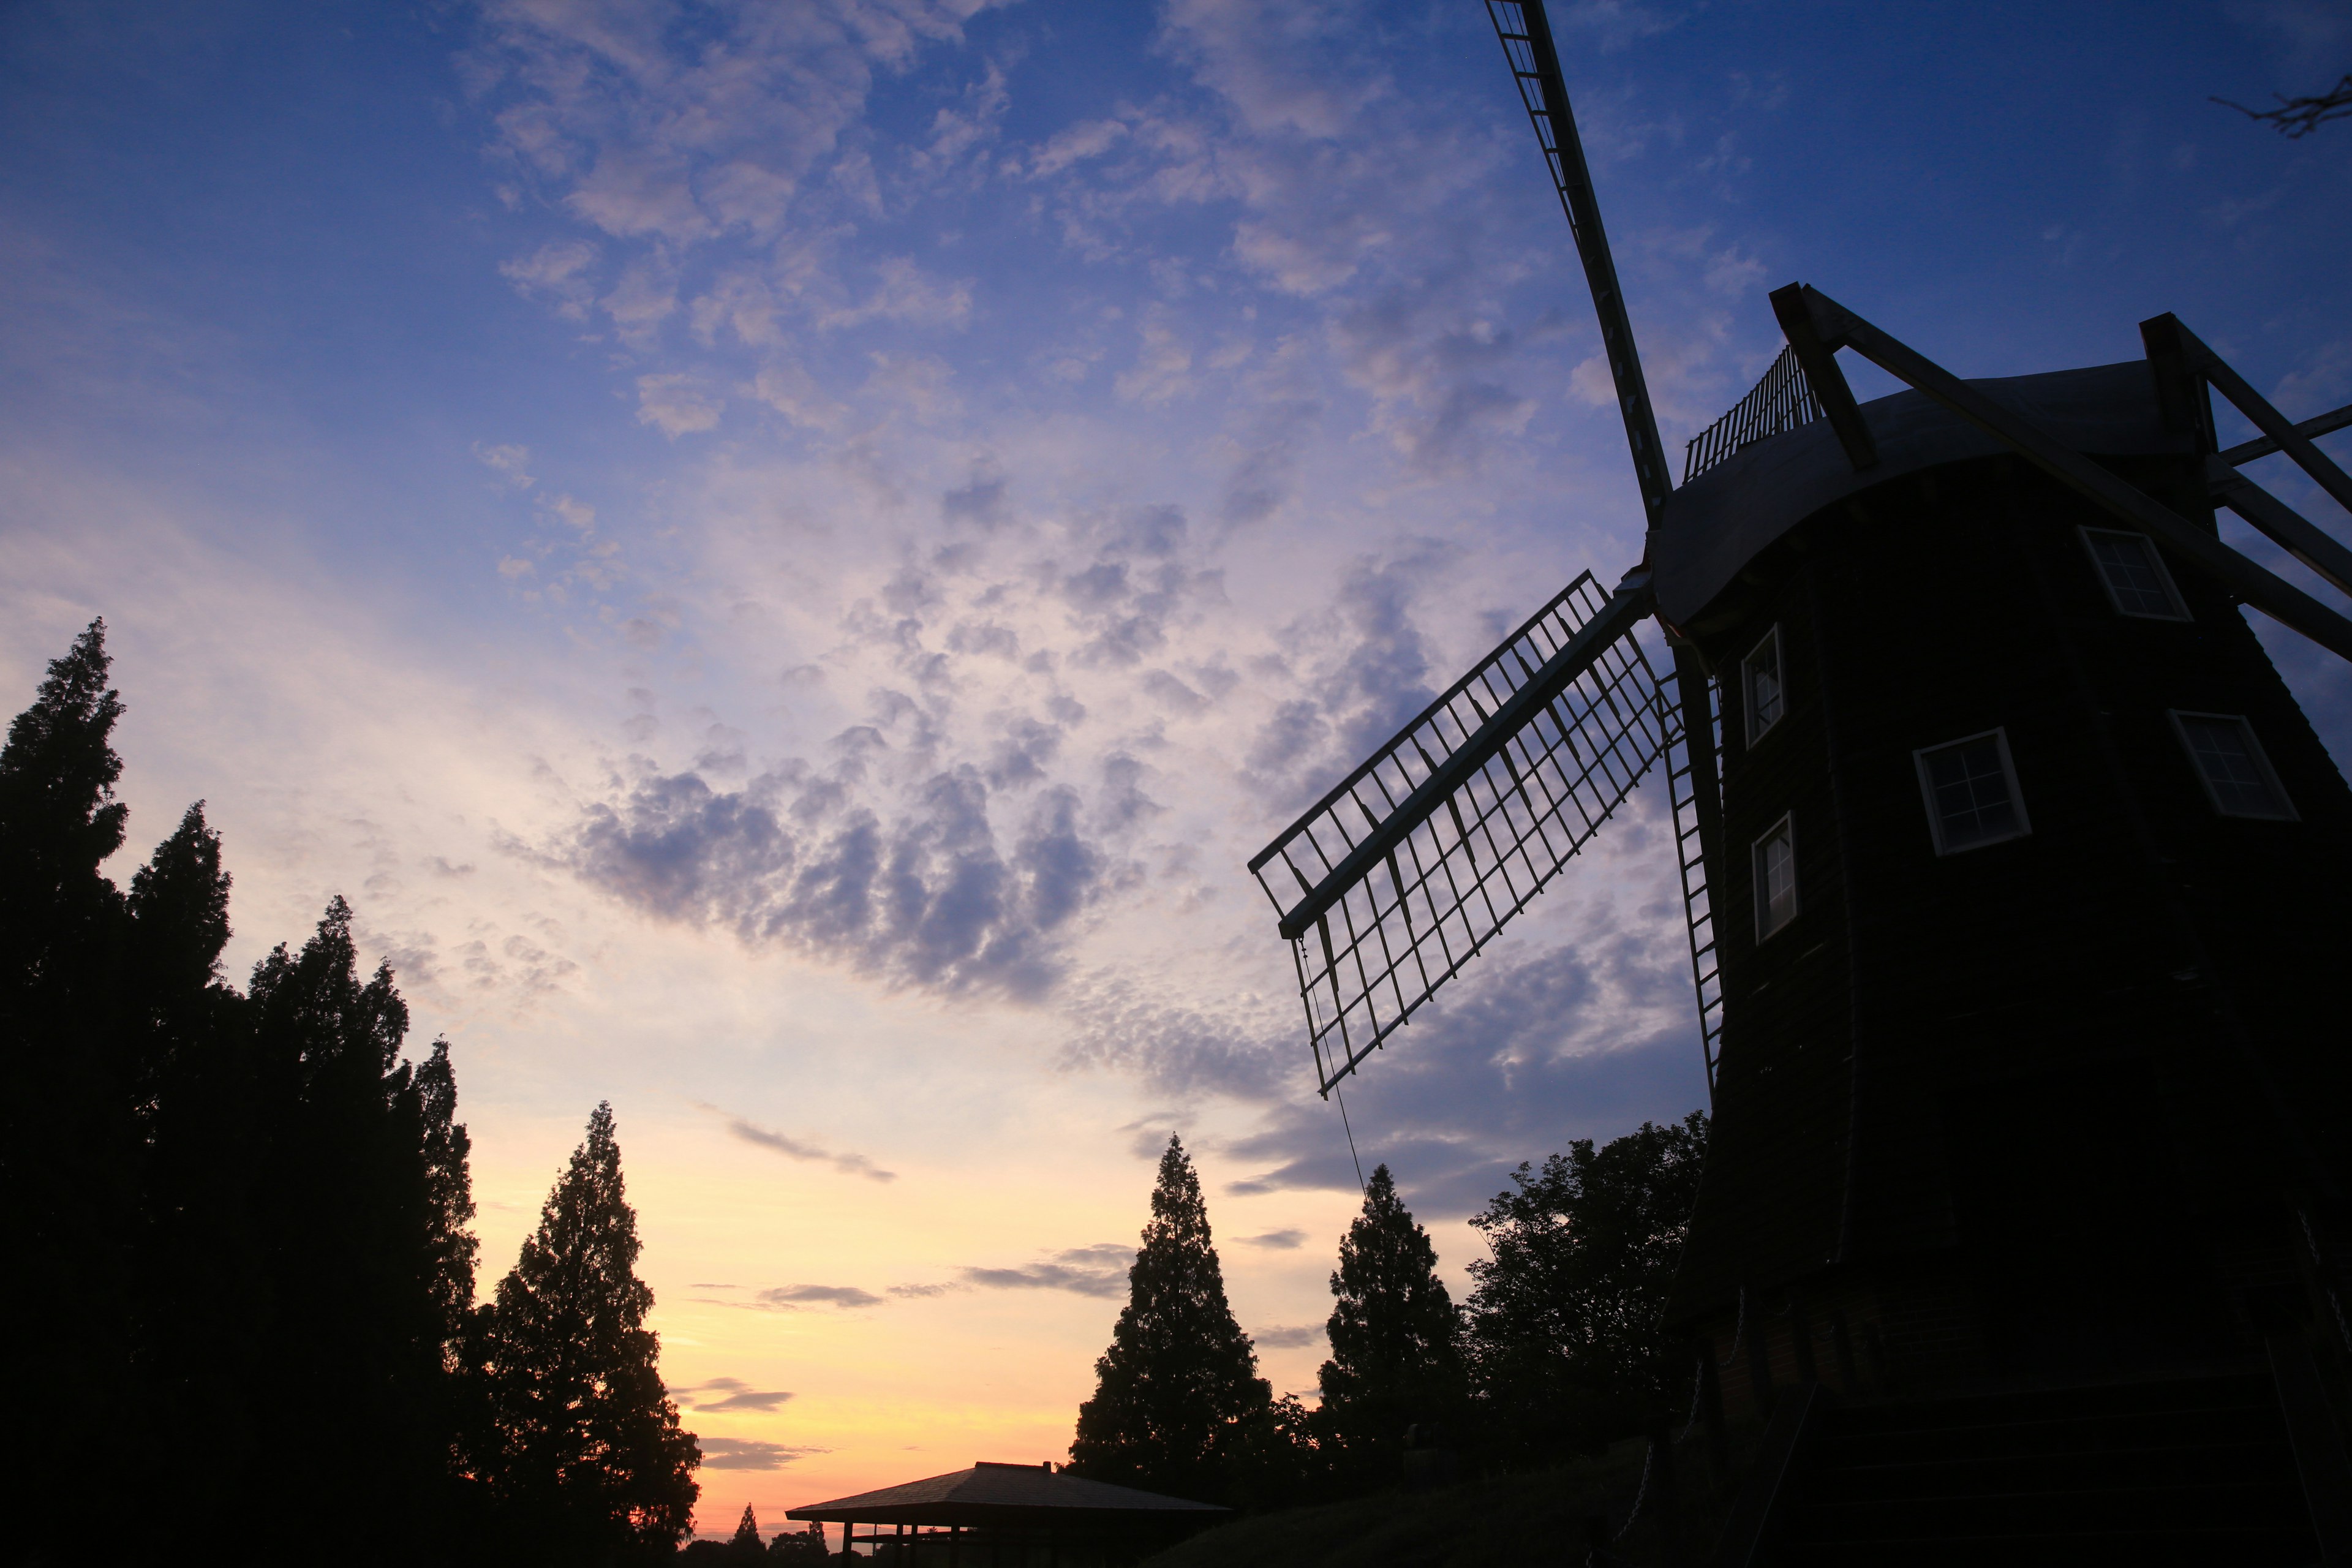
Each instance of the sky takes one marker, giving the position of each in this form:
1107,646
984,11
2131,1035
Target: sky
784,555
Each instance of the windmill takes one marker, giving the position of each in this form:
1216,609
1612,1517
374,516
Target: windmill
2014,876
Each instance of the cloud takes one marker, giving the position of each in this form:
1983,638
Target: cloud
843,1296
1291,1338
847,1163
931,896
556,274
923,1293
673,404
1280,1240
510,463
1074,143
1097,1270
722,1393
747,1454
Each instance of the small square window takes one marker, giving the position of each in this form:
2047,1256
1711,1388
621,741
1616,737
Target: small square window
2229,762
2134,573
1760,675
1970,787
1775,879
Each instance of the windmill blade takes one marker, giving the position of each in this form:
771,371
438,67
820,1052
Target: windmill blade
1526,35
1399,876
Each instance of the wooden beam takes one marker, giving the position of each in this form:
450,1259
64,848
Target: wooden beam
2282,601
2266,419
1819,358
2286,527
2310,429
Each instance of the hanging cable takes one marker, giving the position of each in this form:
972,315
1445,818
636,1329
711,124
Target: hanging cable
1359,1164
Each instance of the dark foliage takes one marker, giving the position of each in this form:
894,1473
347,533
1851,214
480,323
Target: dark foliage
805,1546
1396,1342
1565,1337
580,1449
1179,1407
68,1131
241,1269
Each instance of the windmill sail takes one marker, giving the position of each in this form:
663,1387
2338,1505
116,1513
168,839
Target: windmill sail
1404,872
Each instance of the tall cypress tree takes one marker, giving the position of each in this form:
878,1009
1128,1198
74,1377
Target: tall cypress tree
360,1285
583,1453
199,1269
68,1142
1396,1338
1177,1394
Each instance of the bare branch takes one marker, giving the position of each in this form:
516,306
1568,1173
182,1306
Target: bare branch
2299,117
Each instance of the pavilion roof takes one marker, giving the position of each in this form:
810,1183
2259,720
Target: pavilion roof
1004,1494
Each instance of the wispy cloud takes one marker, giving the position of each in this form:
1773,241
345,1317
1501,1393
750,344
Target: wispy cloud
1278,1240
724,1393
843,1296
849,1163
749,1454
1292,1338
1097,1270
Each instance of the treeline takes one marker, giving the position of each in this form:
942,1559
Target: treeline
1559,1350
242,1311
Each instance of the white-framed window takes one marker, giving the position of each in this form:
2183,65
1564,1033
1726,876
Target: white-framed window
2134,574
1762,692
1971,788
1776,878
2230,764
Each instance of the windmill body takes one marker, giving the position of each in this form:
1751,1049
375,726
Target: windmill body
2017,881
2030,1065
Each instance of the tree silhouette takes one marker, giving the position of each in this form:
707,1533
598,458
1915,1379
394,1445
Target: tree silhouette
70,1156
1177,1394
234,1218
1396,1354
361,1270
745,1545
583,1453
1565,1332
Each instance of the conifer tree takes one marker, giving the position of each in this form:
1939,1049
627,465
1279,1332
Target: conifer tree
199,1271
583,1454
745,1546
359,1286
1396,1351
68,1142
1177,1394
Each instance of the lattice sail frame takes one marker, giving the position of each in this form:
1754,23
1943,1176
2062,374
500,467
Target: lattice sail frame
1402,929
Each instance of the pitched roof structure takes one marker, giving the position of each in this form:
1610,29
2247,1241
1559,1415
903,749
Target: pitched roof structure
995,1494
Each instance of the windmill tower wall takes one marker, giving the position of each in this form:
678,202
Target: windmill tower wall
2039,1097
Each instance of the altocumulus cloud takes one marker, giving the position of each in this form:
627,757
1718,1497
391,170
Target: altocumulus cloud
930,898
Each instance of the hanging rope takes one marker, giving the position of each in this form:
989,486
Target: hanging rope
1342,1096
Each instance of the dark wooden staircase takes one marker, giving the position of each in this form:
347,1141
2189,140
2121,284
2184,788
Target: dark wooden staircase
2239,1467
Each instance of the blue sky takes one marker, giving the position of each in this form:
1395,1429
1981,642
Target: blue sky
784,555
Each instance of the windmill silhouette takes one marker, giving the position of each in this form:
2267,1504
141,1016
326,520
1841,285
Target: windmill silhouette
2016,880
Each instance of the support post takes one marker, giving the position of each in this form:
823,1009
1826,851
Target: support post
1819,360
